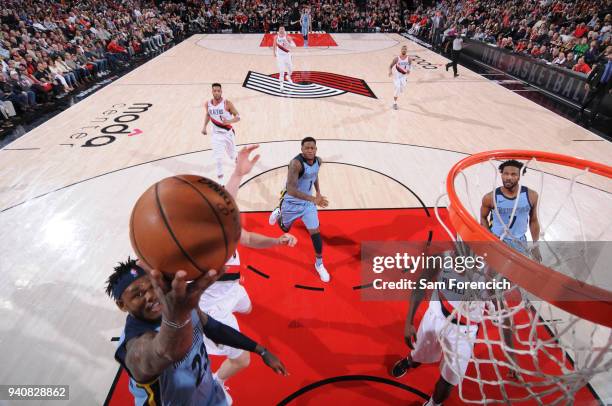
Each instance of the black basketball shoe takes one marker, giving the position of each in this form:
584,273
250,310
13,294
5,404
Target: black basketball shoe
400,368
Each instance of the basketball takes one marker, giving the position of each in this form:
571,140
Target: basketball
185,222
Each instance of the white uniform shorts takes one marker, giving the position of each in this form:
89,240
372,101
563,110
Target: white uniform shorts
220,301
457,337
223,143
284,63
399,84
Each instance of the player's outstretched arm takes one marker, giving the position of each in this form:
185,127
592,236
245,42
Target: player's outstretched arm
148,355
226,335
244,165
255,240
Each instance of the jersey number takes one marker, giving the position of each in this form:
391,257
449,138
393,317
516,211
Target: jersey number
197,363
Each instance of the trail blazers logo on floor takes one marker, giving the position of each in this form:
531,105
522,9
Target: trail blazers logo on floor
308,85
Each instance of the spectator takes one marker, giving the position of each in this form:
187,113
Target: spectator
581,66
581,29
560,60
580,49
7,110
592,54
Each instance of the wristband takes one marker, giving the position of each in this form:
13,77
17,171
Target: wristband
176,325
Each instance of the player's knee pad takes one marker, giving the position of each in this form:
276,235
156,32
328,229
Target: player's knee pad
317,242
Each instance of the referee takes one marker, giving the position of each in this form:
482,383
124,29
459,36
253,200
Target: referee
457,47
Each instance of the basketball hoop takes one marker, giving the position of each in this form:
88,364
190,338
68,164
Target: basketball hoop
528,274
582,337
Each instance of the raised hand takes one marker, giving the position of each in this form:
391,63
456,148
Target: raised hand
244,163
178,297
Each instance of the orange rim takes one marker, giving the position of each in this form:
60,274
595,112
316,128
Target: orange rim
588,302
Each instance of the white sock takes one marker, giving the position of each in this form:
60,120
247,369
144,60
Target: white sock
219,169
281,78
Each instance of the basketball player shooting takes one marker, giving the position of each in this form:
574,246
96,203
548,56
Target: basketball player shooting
297,201
162,347
499,215
222,114
282,42
400,69
227,295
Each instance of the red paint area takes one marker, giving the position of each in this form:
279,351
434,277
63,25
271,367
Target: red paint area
325,334
314,40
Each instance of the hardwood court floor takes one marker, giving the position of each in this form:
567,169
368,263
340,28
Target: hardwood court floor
67,187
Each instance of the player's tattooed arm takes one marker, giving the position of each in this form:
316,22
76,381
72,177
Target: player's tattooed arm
292,181
148,355
141,359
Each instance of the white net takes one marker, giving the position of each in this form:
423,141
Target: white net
528,350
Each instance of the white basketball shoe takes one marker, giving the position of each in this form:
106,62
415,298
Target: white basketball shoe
323,274
274,216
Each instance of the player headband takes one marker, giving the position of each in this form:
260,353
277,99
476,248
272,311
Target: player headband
125,280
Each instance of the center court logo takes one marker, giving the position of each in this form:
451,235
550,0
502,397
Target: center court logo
308,85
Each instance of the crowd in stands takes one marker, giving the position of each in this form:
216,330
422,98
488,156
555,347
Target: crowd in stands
327,15
51,48
571,34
